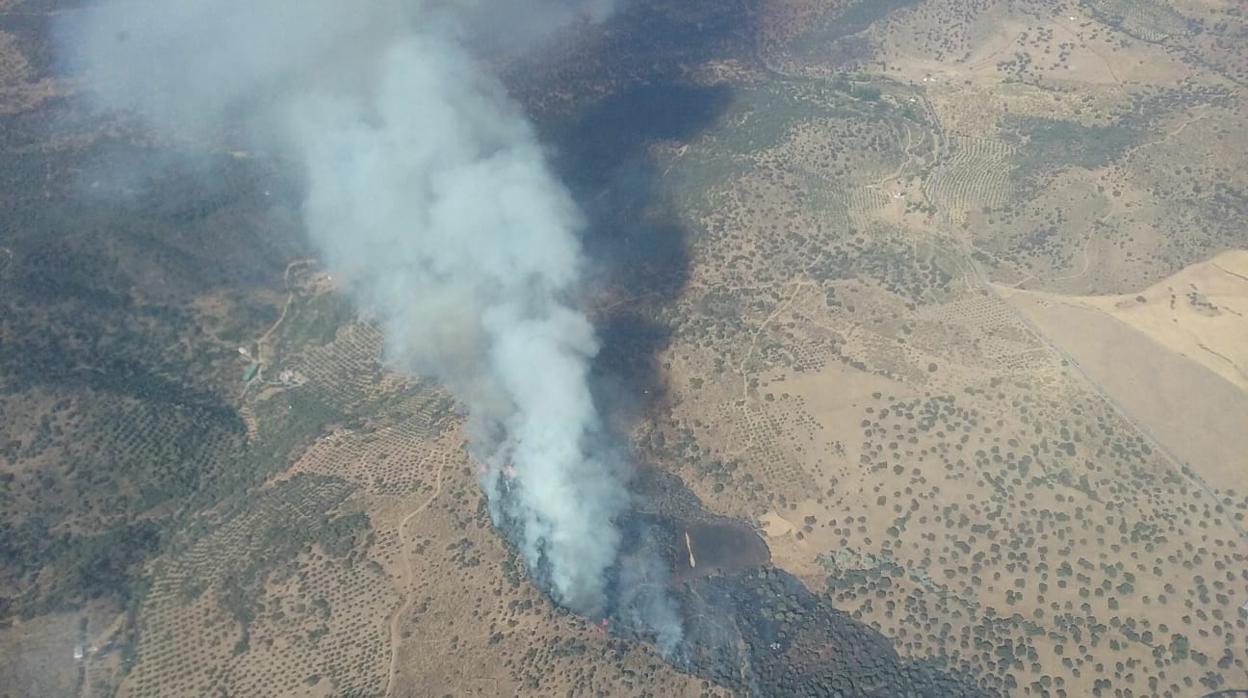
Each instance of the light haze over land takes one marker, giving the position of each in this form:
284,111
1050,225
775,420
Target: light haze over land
651,348
428,193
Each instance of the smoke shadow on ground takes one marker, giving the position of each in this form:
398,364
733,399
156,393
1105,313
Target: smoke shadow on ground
762,632
747,626
633,234
636,245
600,103
756,629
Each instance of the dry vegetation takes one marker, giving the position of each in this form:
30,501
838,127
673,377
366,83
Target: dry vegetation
961,332
1055,508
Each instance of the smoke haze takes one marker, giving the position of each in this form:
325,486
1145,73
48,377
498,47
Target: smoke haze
428,193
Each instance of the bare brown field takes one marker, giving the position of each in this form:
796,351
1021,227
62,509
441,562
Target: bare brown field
39,658
1159,354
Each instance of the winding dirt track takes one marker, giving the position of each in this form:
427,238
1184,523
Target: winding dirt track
408,576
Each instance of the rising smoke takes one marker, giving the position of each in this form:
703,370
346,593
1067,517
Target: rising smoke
429,194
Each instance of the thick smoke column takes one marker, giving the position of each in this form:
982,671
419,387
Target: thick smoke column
429,193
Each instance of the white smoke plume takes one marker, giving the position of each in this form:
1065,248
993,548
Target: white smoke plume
427,190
